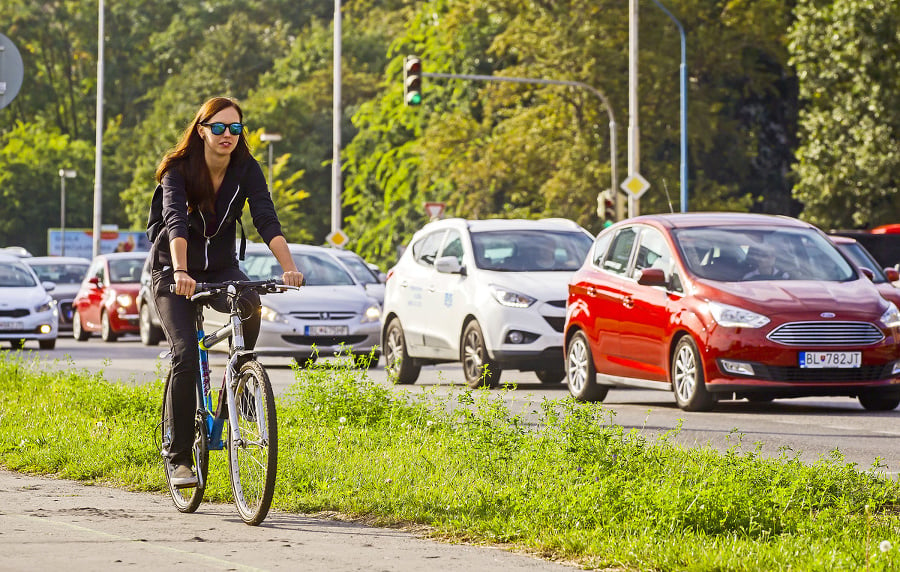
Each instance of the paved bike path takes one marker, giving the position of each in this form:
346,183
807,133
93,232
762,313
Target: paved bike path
51,524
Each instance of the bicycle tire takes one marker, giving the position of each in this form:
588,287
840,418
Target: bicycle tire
253,456
185,499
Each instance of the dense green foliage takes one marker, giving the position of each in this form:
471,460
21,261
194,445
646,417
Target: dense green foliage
572,486
486,149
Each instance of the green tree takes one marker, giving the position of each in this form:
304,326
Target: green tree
847,57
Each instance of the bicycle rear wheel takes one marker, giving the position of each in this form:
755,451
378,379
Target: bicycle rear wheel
253,454
185,499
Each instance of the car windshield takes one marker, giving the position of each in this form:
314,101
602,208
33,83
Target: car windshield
318,269
61,273
15,276
125,270
861,257
359,270
759,253
530,250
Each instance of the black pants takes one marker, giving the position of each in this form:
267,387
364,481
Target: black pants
178,315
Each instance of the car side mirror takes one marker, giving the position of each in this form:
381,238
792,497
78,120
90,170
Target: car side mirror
652,277
449,265
94,280
49,286
892,274
382,277
867,273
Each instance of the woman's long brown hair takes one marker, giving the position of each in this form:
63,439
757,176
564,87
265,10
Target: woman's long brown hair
188,155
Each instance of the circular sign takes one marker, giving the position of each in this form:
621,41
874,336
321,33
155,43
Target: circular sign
11,71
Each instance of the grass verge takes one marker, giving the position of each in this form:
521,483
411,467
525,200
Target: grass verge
576,487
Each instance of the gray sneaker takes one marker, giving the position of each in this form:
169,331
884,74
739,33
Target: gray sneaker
181,476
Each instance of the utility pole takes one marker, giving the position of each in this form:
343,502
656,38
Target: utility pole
98,153
336,125
634,152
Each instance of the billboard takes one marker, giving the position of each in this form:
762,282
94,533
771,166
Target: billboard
80,241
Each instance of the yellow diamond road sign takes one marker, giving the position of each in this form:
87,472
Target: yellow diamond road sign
635,185
337,238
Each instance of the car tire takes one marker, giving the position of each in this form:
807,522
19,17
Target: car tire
879,400
479,369
18,344
581,374
77,331
106,331
687,377
551,376
397,363
304,362
47,344
151,335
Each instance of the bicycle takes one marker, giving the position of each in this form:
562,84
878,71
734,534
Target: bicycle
246,402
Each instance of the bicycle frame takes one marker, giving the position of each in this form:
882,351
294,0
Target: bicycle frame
233,329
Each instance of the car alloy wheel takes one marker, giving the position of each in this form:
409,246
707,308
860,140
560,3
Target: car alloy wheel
581,375
479,369
687,377
396,360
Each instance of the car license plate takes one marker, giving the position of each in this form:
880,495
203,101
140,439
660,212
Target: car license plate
830,359
11,325
327,330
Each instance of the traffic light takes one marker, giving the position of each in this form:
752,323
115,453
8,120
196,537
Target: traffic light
412,80
606,207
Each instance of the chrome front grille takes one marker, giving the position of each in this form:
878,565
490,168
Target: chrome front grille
834,334
323,315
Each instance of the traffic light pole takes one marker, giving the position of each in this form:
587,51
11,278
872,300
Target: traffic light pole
612,121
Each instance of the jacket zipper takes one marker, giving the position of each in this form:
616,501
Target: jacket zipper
219,228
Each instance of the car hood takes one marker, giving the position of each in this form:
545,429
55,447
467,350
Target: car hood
331,298
856,298
64,291
541,285
22,297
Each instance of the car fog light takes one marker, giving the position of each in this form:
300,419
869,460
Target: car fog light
736,367
45,329
520,337
121,311
896,368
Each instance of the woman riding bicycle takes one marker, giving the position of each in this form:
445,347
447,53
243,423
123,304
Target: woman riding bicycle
205,181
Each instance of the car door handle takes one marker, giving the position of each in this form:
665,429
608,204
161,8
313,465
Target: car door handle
628,302
432,288
404,283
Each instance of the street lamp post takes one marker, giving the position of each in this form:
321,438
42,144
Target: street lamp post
271,138
684,127
63,175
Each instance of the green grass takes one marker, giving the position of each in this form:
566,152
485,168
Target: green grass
574,487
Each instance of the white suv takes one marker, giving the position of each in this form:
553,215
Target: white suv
488,293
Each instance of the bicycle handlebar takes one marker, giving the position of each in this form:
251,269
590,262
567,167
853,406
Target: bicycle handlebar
271,286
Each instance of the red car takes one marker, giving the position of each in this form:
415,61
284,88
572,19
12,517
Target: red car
728,306
105,302
883,278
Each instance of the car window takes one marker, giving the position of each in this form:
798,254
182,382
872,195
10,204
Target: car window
861,257
601,246
62,273
530,250
425,250
360,270
653,252
620,251
123,270
453,246
15,276
97,271
759,253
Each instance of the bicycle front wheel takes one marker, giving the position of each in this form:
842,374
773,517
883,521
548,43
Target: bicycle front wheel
253,443
185,499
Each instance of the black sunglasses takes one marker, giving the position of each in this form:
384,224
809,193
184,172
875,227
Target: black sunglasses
218,128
